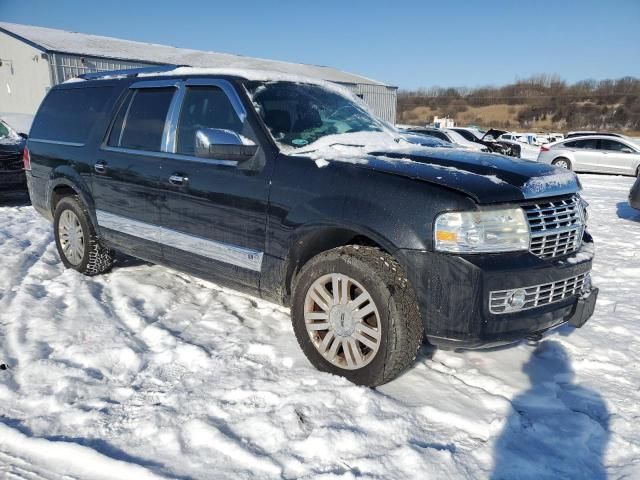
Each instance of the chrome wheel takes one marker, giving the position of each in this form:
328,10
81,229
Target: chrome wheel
71,237
342,321
561,163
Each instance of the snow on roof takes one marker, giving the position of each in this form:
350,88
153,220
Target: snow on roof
62,41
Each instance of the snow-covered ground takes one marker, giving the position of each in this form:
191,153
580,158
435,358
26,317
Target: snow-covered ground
150,373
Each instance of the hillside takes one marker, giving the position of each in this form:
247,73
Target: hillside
541,103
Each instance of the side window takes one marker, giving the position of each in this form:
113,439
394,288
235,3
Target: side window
590,144
204,107
68,114
440,135
612,145
140,122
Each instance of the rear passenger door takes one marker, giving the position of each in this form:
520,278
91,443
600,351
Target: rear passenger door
214,214
586,156
127,180
618,157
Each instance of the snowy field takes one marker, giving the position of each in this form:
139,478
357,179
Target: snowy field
150,373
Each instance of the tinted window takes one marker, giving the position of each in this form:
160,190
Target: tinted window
590,144
144,118
436,134
4,131
204,107
467,134
67,115
613,146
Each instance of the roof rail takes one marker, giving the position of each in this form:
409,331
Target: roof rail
129,72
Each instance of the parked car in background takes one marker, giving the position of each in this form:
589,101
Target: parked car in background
634,194
487,138
286,188
586,133
451,136
594,153
14,129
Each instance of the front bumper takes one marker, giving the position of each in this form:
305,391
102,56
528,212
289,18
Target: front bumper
453,294
12,180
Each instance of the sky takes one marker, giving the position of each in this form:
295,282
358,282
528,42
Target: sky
410,44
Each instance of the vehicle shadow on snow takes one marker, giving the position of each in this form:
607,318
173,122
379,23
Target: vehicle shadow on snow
626,212
558,429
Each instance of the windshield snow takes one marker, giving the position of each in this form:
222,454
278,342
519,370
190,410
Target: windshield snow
300,114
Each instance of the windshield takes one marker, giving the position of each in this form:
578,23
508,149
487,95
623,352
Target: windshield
4,131
299,114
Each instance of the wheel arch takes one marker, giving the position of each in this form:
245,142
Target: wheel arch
313,240
65,181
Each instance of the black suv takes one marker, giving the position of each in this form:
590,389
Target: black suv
289,189
12,143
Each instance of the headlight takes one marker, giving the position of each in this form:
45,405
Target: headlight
495,230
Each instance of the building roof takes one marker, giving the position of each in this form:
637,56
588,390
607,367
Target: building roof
52,40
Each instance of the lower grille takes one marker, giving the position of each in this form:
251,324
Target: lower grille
501,301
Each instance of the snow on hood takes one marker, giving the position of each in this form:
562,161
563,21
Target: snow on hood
488,178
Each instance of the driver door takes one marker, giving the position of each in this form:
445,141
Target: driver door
213,210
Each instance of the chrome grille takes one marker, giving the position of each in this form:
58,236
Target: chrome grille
556,226
537,295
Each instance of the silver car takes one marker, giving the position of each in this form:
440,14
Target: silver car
594,153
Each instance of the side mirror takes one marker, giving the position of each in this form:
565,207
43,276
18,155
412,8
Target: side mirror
220,144
626,150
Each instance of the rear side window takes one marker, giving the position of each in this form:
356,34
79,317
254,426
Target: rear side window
67,115
140,121
204,107
590,144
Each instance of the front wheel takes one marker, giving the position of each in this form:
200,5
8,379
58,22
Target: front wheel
355,315
76,239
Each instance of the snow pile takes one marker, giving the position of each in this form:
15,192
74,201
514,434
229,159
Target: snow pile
148,372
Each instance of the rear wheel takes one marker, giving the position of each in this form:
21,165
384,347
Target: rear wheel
76,239
562,162
355,315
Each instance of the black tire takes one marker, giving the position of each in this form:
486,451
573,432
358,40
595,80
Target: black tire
395,299
562,159
96,259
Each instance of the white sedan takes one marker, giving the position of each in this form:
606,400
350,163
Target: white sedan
594,153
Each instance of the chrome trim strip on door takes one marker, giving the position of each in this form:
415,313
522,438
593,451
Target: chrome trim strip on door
175,156
171,122
56,142
222,252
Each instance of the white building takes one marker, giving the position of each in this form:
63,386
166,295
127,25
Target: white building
35,58
445,122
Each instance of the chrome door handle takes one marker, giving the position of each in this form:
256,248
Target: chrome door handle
100,167
177,179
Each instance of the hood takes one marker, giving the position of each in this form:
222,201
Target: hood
493,133
487,178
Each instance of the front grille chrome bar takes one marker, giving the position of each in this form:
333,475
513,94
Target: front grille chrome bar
501,301
556,226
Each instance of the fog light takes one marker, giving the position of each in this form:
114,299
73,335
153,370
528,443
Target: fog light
516,299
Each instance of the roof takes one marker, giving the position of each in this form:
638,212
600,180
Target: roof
61,41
